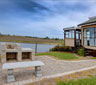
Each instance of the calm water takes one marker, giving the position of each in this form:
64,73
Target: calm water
40,47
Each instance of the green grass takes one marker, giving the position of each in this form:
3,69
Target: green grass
86,81
94,58
60,55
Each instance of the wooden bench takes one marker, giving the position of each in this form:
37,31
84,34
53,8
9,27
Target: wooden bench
11,66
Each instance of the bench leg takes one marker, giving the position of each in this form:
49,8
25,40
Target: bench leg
38,72
10,76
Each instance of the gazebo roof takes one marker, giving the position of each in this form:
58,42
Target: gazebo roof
71,28
92,20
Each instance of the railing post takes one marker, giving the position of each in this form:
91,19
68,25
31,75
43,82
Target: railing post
36,48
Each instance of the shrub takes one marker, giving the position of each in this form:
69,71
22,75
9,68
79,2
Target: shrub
56,38
56,48
81,52
61,83
61,48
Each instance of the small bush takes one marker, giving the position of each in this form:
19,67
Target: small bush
56,48
61,48
81,52
61,83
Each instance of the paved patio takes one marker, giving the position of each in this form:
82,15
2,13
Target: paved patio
52,67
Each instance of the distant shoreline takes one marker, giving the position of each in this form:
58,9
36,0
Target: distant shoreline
29,42
22,39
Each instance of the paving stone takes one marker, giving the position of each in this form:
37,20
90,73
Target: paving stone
51,67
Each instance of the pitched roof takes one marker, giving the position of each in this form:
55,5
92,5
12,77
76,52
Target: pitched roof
71,28
92,20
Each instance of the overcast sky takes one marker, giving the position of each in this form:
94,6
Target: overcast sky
43,18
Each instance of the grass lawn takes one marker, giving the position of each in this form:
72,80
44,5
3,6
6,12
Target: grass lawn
94,58
86,81
87,77
60,55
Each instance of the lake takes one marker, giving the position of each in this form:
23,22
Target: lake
40,47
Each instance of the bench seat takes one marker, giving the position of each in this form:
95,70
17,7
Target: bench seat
11,66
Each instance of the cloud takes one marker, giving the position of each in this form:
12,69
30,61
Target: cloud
29,5
43,17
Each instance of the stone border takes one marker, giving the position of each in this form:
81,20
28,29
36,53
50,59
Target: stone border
68,60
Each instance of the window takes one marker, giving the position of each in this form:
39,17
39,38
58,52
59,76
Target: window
92,42
95,42
78,35
85,41
66,34
90,36
72,34
69,34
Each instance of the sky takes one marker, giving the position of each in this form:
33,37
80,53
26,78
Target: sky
41,18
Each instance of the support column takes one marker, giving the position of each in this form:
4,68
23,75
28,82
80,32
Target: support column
19,56
38,72
3,57
3,53
33,55
10,76
75,38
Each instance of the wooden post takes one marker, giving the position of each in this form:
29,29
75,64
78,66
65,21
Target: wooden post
64,38
75,38
49,48
36,48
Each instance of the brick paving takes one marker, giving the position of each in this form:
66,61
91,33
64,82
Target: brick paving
51,67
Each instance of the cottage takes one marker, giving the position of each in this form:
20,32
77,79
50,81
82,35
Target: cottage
72,36
88,29
83,35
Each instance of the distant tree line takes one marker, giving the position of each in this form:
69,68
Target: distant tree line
33,37
53,38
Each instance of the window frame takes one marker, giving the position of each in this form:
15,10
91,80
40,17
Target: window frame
90,37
